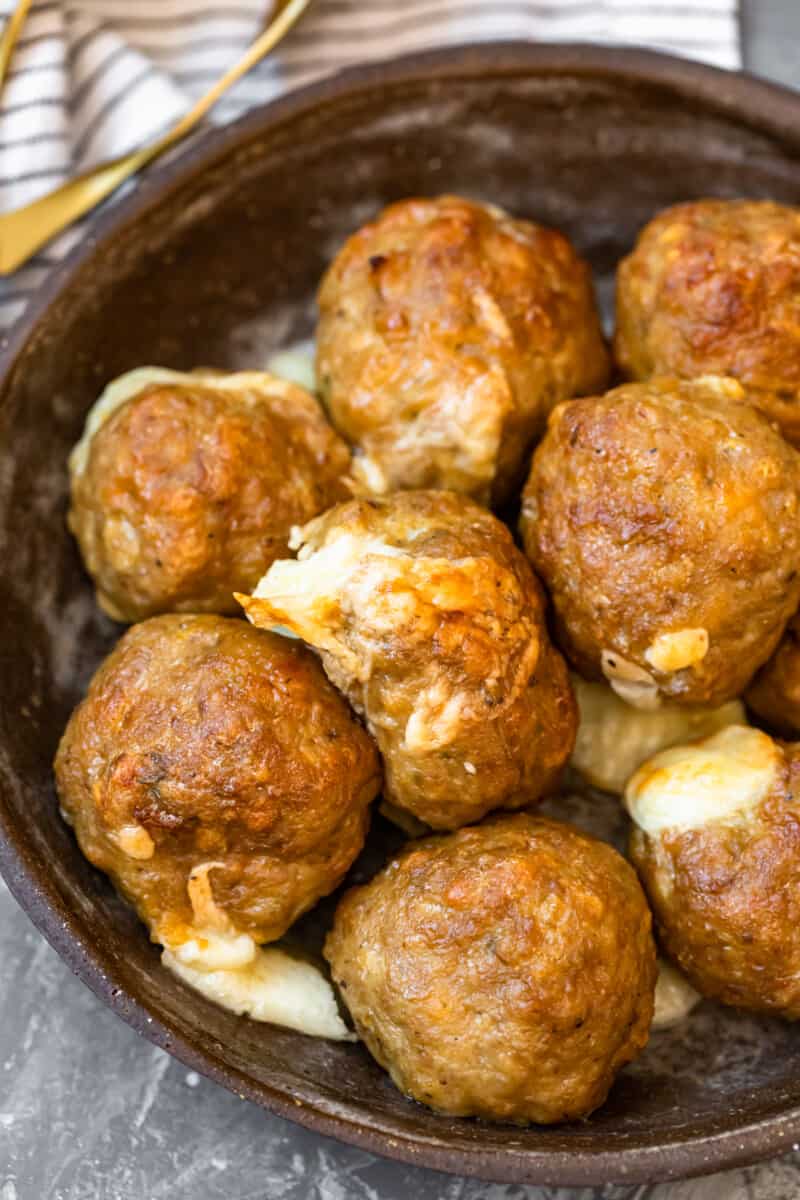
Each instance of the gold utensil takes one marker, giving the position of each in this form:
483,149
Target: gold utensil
25,230
10,35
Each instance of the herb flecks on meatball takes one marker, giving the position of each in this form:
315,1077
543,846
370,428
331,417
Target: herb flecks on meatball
713,287
185,486
664,519
448,330
219,779
505,971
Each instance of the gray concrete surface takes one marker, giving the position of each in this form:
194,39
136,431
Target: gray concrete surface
88,1111
771,39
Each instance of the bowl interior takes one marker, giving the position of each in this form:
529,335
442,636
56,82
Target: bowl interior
216,262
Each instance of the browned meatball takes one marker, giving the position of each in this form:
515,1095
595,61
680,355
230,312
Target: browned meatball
447,332
717,846
664,517
714,287
431,621
504,971
217,777
774,694
185,487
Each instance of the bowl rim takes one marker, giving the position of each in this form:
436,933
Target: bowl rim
763,105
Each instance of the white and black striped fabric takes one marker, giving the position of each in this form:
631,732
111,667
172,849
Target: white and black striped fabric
94,78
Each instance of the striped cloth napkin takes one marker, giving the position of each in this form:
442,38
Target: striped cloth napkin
94,78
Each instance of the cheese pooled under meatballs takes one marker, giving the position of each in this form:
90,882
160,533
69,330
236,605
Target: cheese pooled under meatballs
614,738
261,982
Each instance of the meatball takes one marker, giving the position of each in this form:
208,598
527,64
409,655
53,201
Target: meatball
717,846
714,287
185,487
447,332
774,694
431,622
504,971
218,778
664,518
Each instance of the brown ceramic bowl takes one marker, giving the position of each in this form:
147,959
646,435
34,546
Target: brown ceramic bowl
214,259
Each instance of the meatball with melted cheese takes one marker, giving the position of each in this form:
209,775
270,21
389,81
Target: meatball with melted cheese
219,779
717,846
448,330
185,486
713,286
664,518
774,694
504,971
431,622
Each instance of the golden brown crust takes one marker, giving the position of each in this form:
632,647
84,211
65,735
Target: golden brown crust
726,898
432,623
664,507
713,287
774,694
447,333
190,492
226,745
504,971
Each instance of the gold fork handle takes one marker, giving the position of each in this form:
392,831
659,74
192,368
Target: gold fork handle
25,230
11,32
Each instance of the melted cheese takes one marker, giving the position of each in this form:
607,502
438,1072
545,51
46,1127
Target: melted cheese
614,738
437,717
228,967
303,595
315,596
296,365
631,683
721,778
722,385
369,476
270,986
201,897
675,997
135,841
211,942
212,950
678,650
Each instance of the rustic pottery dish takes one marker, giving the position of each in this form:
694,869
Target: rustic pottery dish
214,260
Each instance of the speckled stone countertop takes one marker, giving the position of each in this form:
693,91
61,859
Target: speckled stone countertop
88,1111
